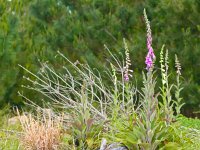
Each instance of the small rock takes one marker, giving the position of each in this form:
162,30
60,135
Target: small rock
113,146
103,144
116,146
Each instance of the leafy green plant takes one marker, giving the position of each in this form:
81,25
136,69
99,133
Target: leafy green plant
86,131
143,129
119,111
178,102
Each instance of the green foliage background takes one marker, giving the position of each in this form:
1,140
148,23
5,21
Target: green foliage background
32,30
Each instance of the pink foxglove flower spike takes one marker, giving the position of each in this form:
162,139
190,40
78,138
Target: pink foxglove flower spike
150,55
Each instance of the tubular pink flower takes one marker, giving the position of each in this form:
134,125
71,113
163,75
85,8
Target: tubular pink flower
126,77
150,55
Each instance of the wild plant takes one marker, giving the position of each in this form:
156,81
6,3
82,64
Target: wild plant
167,101
119,112
83,97
178,102
86,129
143,129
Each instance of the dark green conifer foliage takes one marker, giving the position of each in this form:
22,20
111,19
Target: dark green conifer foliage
32,30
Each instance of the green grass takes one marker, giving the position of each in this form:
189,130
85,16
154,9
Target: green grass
9,139
189,122
9,134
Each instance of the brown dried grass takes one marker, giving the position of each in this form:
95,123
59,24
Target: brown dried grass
41,133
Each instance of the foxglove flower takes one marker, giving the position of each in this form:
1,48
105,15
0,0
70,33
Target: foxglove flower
150,55
177,65
128,63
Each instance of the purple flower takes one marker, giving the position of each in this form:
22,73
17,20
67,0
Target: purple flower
126,77
150,55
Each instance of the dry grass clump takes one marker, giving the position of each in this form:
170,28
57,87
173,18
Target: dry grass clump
41,132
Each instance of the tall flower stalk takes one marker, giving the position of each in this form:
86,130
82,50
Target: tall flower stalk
148,124
167,101
178,87
126,74
150,55
128,71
